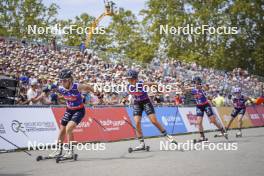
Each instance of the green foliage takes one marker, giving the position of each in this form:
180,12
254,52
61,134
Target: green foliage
17,15
221,51
128,38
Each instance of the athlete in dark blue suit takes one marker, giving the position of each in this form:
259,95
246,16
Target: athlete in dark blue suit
143,103
239,103
203,106
75,110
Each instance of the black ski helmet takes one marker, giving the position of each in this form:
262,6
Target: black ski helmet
65,74
132,74
197,80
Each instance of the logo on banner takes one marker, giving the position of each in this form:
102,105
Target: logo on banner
170,120
254,116
2,129
85,124
17,127
112,125
24,127
192,118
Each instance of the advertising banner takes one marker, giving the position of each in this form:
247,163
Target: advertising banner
100,124
25,126
225,114
256,115
190,119
169,117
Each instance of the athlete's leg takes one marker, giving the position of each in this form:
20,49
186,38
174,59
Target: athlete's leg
139,133
229,123
149,109
200,126
61,134
64,121
69,131
215,122
155,122
200,114
240,121
138,126
212,117
137,113
72,124
233,116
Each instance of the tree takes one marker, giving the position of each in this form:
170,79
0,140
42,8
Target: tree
17,15
75,36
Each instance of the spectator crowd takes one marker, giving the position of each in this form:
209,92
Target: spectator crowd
37,67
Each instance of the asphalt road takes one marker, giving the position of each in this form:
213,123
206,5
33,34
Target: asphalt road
115,160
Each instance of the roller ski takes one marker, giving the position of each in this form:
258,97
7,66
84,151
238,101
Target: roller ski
141,147
171,139
239,134
53,155
218,135
203,139
225,135
69,155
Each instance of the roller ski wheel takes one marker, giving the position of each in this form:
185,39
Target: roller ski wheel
218,135
171,139
147,148
57,160
41,158
74,157
200,140
238,135
130,149
226,136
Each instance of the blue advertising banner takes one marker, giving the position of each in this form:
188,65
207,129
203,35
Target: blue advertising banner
169,117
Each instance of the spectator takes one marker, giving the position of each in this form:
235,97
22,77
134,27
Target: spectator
33,94
22,97
178,100
45,98
39,62
219,100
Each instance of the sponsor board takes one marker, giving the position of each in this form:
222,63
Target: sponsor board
2,129
100,124
256,115
27,124
169,117
190,119
225,114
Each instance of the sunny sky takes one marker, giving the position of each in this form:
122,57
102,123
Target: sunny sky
72,8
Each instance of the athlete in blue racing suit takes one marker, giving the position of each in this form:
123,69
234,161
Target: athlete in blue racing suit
75,110
239,103
203,105
142,103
